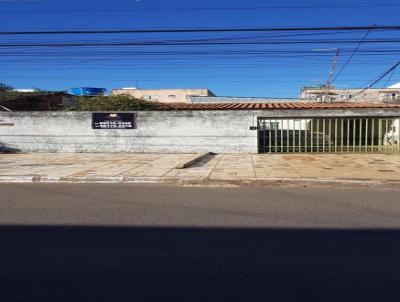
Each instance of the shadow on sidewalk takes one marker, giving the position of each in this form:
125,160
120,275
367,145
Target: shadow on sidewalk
204,161
168,264
6,149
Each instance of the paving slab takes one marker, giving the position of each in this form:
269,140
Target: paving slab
54,167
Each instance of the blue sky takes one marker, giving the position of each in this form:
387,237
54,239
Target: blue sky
230,70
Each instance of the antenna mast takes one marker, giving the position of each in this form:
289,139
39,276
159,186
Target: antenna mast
324,97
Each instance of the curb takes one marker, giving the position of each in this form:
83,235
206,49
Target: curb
194,160
290,182
247,182
110,179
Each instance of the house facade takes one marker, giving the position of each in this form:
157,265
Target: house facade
371,95
163,95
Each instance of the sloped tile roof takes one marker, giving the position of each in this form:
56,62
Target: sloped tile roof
275,106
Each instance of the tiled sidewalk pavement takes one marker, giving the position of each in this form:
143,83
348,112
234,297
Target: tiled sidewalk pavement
217,167
305,166
89,165
329,166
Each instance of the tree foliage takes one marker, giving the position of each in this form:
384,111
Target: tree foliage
10,95
5,87
112,103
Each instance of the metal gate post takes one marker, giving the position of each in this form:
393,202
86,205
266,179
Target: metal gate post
341,134
380,135
366,135
373,135
269,136
281,135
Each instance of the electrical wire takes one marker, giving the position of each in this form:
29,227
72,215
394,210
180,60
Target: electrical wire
352,55
376,81
200,30
191,43
141,10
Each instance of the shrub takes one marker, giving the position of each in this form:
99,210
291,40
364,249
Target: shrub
112,103
5,87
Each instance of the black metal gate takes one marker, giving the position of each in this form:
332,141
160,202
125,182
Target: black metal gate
307,135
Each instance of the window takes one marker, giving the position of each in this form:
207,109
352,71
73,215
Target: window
389,96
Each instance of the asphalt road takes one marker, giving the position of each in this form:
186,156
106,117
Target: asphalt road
163,243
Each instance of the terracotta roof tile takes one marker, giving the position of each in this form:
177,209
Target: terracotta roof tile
274,106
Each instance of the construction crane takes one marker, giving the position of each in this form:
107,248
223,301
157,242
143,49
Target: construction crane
324,96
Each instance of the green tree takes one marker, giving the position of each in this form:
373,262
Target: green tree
112,103
5,87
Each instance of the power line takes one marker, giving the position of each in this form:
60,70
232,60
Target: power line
376,81
251,51
390,77
140,10
189,43
185,80
352,55
199,30
384,74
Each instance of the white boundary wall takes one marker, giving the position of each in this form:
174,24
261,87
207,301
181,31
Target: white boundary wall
165,131
226,131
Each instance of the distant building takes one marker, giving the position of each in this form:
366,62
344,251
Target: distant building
233,99
25,90
163,95
371,95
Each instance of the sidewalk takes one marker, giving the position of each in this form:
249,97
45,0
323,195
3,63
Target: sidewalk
229,168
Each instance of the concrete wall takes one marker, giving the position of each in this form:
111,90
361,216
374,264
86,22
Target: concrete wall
163,95
158,131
